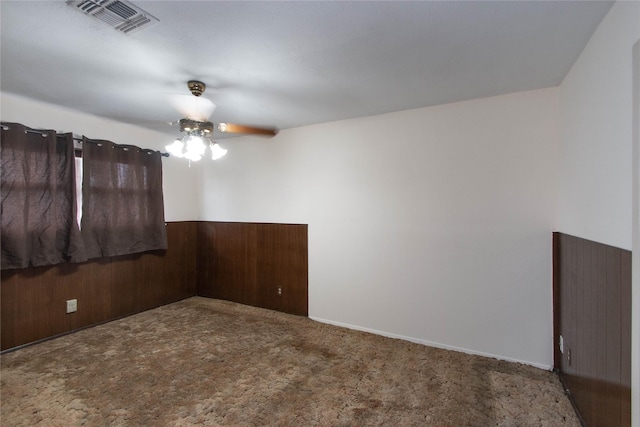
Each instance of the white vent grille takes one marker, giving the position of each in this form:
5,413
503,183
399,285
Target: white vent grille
120,14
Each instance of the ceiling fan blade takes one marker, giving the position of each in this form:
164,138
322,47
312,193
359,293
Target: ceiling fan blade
192,107
233,128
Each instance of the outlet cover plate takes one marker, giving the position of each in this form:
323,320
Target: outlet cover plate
72,305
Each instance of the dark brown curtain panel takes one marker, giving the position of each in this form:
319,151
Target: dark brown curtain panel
123,208
39,224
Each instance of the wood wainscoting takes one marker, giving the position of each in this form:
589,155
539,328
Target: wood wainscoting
592,313
263,265
240,262
33,300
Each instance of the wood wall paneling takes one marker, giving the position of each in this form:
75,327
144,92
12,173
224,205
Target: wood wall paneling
592,311
226,261
248,262
625,333
33,300
180,266
240,262
205,260
557,355
613,398
282,268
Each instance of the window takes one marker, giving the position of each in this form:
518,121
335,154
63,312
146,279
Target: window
57,208
123,208
38,198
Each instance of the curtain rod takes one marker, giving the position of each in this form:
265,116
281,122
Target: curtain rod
92,142
5,127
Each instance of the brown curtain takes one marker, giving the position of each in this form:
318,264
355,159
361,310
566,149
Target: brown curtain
123,208
38,198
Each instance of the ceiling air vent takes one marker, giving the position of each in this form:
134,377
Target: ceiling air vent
120,14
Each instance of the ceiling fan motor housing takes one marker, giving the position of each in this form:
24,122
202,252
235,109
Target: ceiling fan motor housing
194,126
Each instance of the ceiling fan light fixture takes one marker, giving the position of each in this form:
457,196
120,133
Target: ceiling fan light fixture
193,147
192,156
217,152
198,132
176,148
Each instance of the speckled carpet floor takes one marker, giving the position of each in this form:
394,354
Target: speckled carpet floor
208,362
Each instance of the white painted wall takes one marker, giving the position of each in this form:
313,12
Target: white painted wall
595,189
596,123
181,184
432,224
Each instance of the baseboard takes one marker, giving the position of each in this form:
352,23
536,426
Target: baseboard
432,343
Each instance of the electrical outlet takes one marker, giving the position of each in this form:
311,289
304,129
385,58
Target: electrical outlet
561,344
279,291
72,305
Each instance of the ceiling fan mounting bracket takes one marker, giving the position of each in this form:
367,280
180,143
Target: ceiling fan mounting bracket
196,87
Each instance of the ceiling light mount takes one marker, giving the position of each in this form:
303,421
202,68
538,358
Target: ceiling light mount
196,87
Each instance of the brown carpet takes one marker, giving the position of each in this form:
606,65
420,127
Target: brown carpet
208,362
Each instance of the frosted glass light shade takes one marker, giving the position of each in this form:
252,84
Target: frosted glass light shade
217,151
176,148
193,147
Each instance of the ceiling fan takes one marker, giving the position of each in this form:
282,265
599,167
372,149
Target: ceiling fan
197,128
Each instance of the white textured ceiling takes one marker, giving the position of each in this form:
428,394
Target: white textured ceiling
288,64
